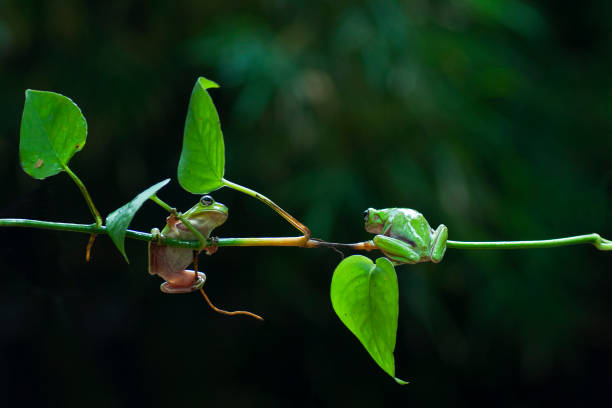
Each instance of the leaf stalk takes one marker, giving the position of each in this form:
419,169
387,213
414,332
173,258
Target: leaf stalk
90,204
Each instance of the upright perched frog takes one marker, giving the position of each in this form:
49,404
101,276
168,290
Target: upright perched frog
170,262
404,235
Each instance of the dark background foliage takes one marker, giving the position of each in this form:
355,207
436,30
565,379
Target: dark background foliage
491,117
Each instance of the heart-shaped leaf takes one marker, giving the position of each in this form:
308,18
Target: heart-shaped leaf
202,163
365,297
53,129
119,220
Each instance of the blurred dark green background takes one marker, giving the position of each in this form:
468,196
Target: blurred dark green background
493,117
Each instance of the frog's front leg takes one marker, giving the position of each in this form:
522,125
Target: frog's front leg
396,249
156,235
214,246
438,243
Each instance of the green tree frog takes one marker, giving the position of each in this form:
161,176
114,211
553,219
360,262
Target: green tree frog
404,235
170,262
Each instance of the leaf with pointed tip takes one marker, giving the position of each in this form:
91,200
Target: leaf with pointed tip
119,220
53,129
365,297
202,163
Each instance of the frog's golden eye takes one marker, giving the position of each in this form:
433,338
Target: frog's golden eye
207,200
365,215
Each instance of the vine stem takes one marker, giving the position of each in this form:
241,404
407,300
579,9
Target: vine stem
92,229
600,243
595,239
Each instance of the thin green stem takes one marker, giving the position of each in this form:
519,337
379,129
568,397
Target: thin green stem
203,241
292,220
159,202
92,229
600,243
265,241
594,239
294,242
90,204
143,236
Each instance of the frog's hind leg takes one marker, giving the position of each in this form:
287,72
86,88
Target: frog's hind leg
194,285
396,250
438,245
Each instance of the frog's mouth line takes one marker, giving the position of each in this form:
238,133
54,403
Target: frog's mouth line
216,216
217,213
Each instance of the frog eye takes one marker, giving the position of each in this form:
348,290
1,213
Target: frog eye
365,214
207,200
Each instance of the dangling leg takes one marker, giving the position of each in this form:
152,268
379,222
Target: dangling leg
177,286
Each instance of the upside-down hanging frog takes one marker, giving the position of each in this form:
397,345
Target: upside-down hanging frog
170,262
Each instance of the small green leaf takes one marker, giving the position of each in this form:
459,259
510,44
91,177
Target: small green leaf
202,163
119,220
53,129
365,297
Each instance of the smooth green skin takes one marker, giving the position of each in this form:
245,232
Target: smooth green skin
170,262
365,296
404,235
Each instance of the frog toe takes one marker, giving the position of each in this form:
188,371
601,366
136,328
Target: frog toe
439,244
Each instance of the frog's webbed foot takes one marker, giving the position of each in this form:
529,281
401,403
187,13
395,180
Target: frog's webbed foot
173,218
214,246
196,285
156,235
438,247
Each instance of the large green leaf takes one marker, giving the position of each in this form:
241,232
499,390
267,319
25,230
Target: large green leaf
53,129
202,164
119,220
365,297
